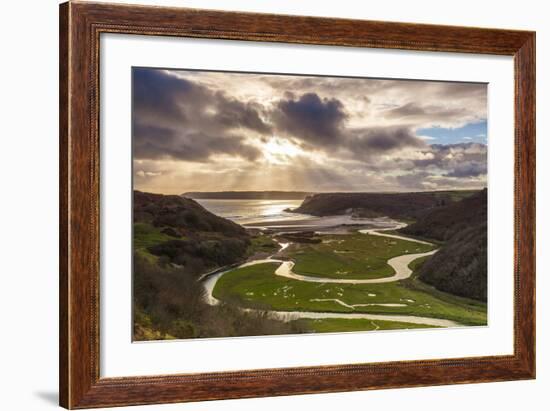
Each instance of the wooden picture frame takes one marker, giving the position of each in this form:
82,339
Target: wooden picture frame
80,27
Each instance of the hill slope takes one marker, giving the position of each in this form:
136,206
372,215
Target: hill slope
182,232
396,205
444,222
175,241
460,266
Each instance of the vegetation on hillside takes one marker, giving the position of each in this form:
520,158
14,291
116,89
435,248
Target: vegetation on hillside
180,232
176,241
169,304
444,222
460,266
395,205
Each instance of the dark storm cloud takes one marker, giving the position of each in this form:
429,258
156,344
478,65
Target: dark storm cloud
367,88
233,114
441,155
382,139
320,124
152,143
181,119
183,101
311,118
156,93
314,133
462,160
468,169
433,167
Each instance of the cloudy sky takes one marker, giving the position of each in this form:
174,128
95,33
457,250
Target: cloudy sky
213,131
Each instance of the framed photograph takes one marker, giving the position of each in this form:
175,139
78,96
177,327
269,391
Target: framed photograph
259,205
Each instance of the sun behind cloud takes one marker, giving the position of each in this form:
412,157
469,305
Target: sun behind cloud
197,130
280,151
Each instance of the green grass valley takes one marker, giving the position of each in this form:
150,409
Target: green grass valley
419,265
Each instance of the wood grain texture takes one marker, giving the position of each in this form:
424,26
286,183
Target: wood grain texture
525,202
63,205
80,27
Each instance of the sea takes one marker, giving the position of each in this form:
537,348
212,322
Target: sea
271,214
257,212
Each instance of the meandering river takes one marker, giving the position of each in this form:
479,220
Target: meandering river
400,264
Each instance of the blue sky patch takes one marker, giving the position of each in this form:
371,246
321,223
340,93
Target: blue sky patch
471,132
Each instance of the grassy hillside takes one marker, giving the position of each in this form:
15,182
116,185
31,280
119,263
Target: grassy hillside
183,214
169,304
175,241
397,205
460,266
442,223
180,232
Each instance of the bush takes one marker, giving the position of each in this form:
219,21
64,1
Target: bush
169,303
460,266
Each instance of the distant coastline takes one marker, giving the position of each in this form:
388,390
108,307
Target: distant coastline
247,195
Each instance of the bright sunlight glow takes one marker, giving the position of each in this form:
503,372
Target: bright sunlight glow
277,151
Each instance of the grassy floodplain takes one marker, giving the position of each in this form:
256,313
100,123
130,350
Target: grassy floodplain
334,325
349,256
353,256
258,287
